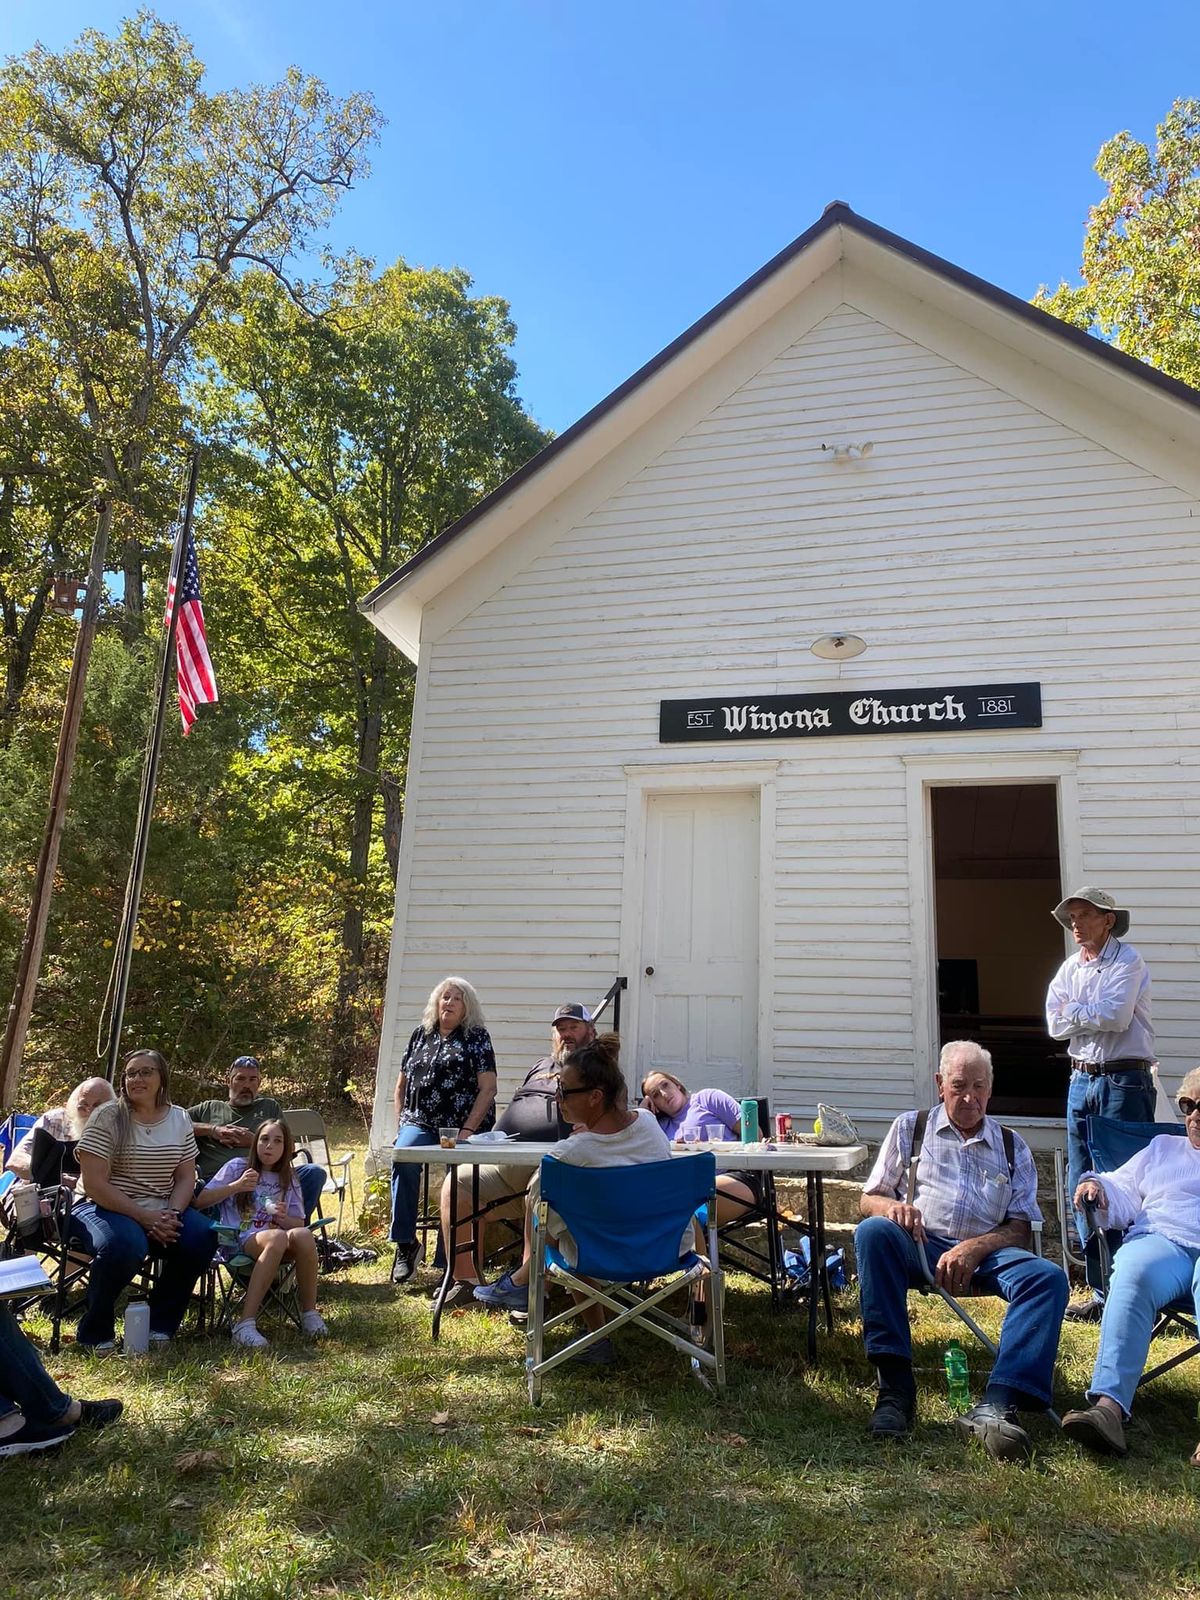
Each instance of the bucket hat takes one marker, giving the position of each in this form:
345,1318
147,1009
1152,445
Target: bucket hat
1102,902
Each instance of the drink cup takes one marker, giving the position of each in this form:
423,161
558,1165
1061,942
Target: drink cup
448,1137
27,1207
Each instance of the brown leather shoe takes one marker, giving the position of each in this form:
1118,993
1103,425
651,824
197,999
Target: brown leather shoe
1099,1428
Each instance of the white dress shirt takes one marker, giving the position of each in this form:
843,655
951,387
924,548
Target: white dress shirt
1102,1007
1158,1191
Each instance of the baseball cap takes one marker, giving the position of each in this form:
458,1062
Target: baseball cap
573,1012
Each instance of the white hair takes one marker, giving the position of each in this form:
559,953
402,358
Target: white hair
474,1016
968,1049
74,1121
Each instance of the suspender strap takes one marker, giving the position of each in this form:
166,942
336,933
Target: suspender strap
918,1139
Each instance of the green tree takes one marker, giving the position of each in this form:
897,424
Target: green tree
1141,249
373,425
130,200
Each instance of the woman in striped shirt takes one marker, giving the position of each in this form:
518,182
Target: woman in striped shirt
138,1160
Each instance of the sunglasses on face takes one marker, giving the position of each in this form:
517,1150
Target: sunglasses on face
565,1093
1188,1106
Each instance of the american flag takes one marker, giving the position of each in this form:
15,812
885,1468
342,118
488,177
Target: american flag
197,681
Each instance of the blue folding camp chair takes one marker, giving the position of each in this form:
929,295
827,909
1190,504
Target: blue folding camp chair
627,1224
1111,1143
12,1130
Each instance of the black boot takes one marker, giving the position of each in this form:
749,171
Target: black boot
896,1403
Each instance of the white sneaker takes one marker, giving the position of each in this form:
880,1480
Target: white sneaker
313,1324
247,1335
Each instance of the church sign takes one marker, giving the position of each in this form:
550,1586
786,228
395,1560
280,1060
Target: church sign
961,709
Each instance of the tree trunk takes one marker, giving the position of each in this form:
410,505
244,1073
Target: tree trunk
392,794
131,564
371,686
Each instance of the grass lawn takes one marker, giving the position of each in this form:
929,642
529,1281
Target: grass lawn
378,1464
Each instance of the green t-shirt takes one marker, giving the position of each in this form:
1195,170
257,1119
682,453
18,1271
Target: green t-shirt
214,1154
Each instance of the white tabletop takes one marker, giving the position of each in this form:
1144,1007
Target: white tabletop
732,1156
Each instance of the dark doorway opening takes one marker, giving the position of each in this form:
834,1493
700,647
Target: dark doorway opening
996,876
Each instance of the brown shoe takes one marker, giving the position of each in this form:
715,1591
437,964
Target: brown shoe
1099,1428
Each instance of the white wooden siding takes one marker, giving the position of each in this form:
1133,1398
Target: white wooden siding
982,540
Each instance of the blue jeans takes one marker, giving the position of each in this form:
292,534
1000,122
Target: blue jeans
406,1184
1127,1095
24,1381
1035,1290
118,1246
1148,1273
311,1180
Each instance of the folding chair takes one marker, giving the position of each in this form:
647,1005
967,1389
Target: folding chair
627,1223
12,1130
1111,1143
312,1143
744,1250
933,1287
231,1268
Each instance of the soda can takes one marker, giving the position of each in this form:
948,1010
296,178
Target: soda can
783,1127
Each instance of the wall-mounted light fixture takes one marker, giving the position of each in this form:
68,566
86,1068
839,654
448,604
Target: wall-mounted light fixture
851,451
838,646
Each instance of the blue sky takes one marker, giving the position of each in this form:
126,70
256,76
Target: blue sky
613,169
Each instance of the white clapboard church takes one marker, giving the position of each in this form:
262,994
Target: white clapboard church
797,681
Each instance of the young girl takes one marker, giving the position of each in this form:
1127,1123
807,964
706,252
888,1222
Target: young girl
259,1196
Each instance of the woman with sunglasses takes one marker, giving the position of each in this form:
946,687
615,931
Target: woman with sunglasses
1156,1198
137,1156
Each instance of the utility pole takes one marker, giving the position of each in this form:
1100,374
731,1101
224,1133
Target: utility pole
29,964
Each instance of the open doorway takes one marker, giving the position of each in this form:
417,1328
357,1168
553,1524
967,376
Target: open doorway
996,877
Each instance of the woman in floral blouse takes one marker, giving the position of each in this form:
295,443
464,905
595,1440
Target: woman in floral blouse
447,1080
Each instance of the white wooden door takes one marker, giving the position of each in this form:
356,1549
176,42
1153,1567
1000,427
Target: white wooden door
699,971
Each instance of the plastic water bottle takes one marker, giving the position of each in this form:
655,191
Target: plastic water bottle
958,1386
749,1121
137,1328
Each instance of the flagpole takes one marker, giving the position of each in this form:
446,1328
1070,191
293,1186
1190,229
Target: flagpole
137,867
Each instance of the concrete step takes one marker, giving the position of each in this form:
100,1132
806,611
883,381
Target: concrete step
841,1198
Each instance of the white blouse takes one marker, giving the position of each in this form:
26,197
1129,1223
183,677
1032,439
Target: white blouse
1158,1191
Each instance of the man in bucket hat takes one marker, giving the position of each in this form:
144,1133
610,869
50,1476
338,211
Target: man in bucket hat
1099,1003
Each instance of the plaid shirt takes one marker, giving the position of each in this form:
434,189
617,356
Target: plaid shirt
963,1187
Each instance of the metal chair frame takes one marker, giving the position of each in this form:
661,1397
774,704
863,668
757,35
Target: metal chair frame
637,1298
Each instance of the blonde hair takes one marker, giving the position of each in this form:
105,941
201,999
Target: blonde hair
474,1011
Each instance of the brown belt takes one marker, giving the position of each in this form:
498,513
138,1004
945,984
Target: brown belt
1099,1069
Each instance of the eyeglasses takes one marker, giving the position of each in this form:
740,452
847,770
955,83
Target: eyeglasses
565,1094
1188,1106
140,1072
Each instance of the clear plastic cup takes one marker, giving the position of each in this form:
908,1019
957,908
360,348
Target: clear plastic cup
448,1138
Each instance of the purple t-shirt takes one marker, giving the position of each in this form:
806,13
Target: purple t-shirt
713,1110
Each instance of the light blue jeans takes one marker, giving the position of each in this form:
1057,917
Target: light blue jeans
1148,1273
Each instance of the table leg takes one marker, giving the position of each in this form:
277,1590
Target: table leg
822,1248
443,1289
814,1287
774,1244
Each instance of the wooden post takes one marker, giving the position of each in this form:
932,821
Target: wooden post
30,960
